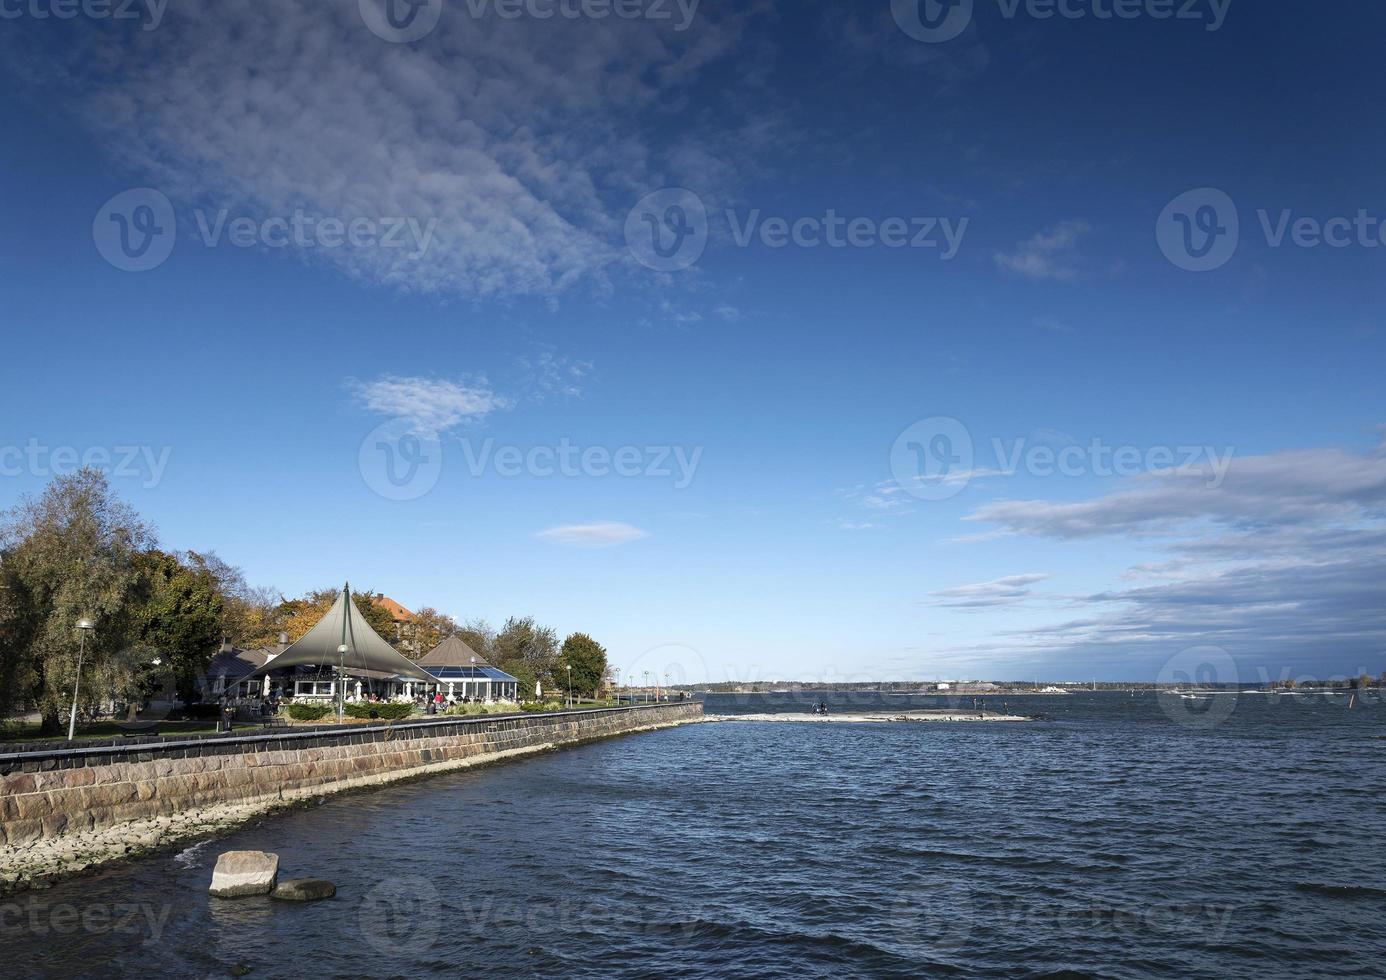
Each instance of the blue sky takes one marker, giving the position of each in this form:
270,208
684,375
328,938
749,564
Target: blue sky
775,520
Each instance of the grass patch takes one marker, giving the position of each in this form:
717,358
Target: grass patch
29,731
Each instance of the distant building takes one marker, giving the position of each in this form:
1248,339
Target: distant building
231,663
405,629
372,666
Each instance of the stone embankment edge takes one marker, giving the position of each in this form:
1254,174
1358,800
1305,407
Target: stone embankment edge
41,863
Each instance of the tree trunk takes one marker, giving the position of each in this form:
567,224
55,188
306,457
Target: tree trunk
52,724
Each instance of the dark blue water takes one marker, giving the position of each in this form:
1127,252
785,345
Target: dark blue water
1120,839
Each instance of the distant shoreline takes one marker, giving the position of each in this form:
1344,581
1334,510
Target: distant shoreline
858,717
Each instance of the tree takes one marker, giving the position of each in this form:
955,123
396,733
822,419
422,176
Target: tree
178,615
298,616
17,628
524,646
430,627
67,554
478,634
250,614
587,658
524,678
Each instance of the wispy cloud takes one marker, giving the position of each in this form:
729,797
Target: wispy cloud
602,534
1051,254
1282,564
1050,322
1008,591
528,145
548,374
433,405
1254,491
892,496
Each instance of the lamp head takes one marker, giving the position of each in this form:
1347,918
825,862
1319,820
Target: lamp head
86,623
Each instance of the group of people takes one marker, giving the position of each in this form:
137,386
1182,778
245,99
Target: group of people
435,703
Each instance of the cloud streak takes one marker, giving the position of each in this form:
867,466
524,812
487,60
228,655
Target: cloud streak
602,534
1011,590
1284,566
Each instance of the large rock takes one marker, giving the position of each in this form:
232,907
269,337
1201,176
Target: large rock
244,873
303,889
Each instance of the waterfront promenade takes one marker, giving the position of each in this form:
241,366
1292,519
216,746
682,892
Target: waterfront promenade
65,810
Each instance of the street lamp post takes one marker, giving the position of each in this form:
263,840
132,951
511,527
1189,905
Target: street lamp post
341,682
646,675
617,672
84,625
570,684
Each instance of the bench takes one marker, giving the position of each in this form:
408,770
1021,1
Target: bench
129,729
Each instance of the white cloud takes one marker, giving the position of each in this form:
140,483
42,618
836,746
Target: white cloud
432,405
1255,491
1051,254
527,140
602,534
1008,591
549,374
1283,565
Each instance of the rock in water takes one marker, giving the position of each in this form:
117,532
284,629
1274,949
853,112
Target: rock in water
303,889
244,873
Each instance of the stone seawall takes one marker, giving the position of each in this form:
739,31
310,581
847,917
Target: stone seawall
64,809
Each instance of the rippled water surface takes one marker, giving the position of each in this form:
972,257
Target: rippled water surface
1113,839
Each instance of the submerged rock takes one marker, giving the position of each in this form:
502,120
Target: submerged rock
303,889
244,873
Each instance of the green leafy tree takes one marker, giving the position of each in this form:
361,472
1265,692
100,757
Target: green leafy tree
524,647
525,679
179,616
587,658
67,554
18,624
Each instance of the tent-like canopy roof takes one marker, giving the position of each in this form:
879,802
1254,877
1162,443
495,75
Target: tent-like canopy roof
345,626
452,652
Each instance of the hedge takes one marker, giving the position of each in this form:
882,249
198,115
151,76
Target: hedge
383,709
308,712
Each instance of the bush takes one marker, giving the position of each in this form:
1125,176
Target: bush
542,706
308,712
468,709
388,710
